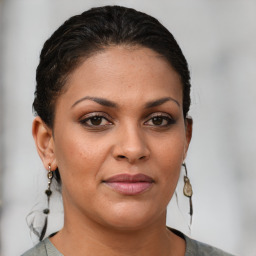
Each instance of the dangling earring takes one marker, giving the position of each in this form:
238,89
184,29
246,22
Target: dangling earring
188,192
46,211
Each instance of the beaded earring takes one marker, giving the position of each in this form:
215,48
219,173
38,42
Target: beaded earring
46,211
188,192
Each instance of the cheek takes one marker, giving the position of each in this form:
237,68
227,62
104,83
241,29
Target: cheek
77,156
170,152
168,157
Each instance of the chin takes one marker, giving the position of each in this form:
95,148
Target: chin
131,218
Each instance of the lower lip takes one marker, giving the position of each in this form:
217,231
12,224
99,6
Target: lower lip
130,188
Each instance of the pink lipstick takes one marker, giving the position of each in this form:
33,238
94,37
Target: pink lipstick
129,184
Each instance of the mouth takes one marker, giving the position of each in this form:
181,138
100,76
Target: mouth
127,184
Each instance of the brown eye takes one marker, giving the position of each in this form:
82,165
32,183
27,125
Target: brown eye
158,120
96,120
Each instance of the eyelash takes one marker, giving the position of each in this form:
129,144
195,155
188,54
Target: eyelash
102,116
90,117
164,117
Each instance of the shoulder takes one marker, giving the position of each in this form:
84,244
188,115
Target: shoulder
38,250
44,248
194,247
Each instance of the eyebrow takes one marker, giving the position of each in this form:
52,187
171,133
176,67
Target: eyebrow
108,103
101,101
161,101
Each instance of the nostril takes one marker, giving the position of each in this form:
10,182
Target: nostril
122,157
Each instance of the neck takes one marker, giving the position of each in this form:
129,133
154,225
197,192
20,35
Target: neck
93,238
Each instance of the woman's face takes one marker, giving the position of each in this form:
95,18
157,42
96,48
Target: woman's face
119,138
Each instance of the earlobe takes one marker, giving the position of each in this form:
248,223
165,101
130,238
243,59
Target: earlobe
43,138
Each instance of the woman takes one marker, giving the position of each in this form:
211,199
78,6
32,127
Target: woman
112,98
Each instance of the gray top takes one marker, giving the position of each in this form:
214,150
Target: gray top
193,248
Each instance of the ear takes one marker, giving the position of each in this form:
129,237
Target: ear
43,138
188,127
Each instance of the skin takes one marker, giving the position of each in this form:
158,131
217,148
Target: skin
99,220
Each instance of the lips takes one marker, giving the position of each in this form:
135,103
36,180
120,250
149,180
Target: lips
129,184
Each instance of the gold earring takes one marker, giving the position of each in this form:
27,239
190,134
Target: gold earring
46,211
188,192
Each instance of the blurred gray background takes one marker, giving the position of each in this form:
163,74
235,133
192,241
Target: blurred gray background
219,40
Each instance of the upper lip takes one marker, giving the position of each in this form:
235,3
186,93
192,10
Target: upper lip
129,178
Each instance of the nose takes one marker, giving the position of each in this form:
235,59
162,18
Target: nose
131,146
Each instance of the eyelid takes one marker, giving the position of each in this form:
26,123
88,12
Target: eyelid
95,113
85,118
156,114
168,118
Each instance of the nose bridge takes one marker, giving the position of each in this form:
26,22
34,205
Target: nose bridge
131,143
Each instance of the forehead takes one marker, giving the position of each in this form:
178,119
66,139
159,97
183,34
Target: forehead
133,73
